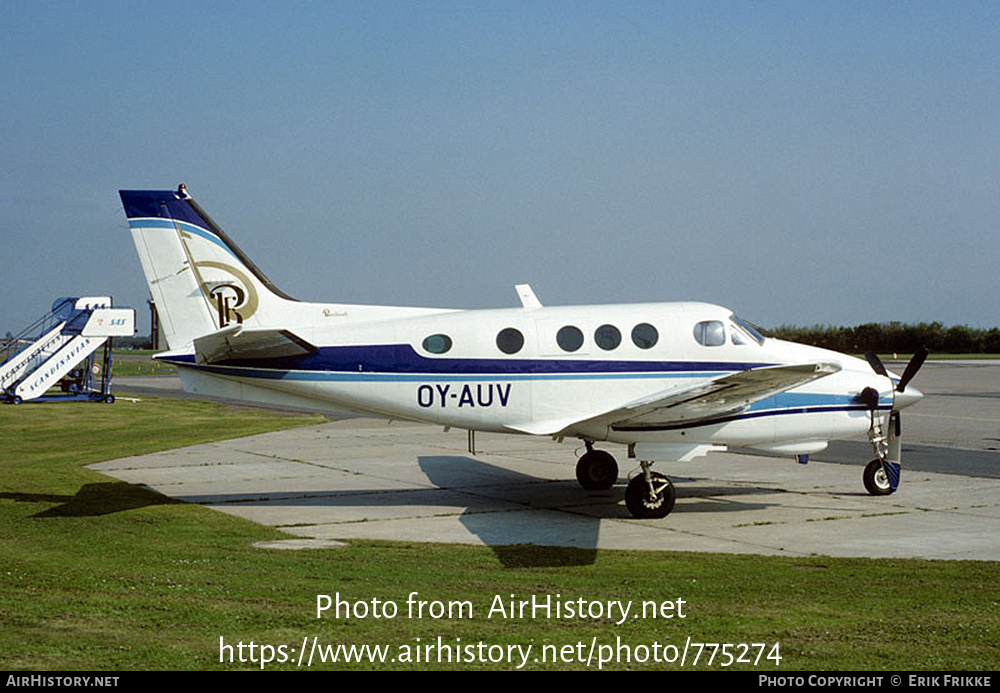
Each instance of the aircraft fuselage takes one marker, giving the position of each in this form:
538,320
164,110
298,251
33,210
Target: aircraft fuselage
448,368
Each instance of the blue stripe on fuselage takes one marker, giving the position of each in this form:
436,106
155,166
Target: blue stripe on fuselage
401,361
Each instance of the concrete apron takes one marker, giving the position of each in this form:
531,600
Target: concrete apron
368,479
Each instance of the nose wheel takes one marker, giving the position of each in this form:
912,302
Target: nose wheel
876,479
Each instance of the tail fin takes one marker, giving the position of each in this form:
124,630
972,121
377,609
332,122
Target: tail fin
199,279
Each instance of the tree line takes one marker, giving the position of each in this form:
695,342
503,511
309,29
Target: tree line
894,337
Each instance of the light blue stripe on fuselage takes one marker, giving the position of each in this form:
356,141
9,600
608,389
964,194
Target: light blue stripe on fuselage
373,376
781,403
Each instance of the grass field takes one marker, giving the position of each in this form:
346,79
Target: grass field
98,574
140,365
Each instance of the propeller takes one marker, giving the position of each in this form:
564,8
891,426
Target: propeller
911,370
876,363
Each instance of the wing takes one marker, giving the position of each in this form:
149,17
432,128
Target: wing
722,396
237,343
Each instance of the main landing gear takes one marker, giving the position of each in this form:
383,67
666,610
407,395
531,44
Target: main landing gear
648,494
596,470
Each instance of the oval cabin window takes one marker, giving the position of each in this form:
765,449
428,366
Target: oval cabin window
569,338
645,335
510,340
437,344
607,337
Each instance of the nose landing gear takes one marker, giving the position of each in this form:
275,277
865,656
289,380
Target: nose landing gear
881,476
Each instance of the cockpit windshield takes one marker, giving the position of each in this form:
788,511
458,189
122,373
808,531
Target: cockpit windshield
741,327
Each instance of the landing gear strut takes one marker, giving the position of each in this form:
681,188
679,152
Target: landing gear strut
881,476
649,495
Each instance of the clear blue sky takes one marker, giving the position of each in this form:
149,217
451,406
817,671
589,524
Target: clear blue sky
799,162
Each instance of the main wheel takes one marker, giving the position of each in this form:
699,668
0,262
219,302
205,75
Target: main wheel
876,480
643,503
597,470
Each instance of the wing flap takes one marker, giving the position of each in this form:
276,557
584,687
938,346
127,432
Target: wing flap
238,344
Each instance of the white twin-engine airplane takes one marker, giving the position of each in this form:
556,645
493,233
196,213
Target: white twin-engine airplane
672,381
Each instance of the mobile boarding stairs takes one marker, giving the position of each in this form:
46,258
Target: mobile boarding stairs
61,349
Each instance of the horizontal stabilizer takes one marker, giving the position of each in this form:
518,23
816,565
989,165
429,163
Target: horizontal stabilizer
238,344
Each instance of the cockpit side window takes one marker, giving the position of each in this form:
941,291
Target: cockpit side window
710,333
746,329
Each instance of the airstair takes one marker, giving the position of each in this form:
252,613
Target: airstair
61,349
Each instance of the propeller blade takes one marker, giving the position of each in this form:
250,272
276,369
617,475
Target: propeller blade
876,363
911,369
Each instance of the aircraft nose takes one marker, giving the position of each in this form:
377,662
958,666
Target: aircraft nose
907,397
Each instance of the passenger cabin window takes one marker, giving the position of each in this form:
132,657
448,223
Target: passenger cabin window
569,338
607,337
710,333
437,344
645,335
510,340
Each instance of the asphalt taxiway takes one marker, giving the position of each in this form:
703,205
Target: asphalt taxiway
370,479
